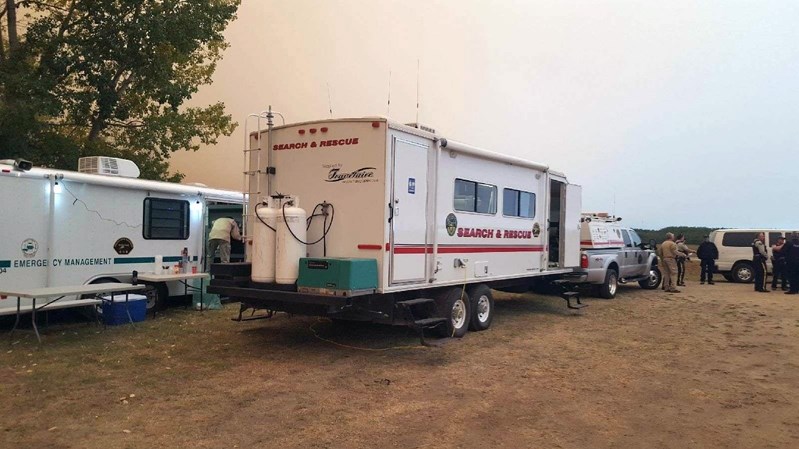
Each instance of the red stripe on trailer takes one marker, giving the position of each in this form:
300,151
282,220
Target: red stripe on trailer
454,249
366,246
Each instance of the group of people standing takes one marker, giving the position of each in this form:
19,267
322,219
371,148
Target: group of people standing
673,253
784,262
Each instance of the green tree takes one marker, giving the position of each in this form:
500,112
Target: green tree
110,77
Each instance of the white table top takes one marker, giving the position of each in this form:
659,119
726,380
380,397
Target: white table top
152,277
54,292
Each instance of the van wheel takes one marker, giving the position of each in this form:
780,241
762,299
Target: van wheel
743,272
454,304
482,308
608,288
653,281
157,296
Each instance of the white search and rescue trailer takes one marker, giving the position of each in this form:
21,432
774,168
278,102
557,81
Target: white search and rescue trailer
398,225
64,228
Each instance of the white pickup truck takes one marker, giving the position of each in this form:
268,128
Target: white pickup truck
612,254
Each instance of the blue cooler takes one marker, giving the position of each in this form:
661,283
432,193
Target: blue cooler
114,312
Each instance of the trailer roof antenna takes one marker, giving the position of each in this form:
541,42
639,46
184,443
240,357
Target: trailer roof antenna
388,107
329,101
417,90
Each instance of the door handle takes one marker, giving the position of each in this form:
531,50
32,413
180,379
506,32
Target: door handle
390,212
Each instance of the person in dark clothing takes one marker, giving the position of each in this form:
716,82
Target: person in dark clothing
759,258
778,264
707,253
791,253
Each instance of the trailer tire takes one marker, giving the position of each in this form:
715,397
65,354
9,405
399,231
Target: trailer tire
482,307
608,288
157,295
454,304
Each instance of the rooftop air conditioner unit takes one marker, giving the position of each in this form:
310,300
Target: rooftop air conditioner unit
111,166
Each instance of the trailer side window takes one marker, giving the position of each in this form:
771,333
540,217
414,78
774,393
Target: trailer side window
518,203
166,219
473,196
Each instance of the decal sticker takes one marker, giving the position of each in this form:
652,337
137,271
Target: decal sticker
451,224
412,186
361,175
30,247
123,246
536,229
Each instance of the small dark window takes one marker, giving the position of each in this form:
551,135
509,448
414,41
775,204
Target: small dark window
473,196
738,239
773,236
518,203
166,219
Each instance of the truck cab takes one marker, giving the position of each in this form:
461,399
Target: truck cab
613,254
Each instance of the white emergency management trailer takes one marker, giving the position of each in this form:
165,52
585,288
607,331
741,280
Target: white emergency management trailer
64,228
369,219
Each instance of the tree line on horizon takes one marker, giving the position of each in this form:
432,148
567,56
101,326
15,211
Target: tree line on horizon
693,234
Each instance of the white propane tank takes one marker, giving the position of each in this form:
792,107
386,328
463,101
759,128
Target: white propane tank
263,245
289,249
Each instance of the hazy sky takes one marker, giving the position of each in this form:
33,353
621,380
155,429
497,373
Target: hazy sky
678,112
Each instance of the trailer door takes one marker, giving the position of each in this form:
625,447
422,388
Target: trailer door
409,212
571,226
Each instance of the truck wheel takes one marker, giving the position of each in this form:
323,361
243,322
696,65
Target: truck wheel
482,308
743,272
653,281
608,288
157,295
454,304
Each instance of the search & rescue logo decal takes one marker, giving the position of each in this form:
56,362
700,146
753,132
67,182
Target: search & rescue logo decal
536,229
452,224
123,246
30,247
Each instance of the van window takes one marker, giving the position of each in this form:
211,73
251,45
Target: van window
166,219
473,196
627,242
518,203
738,239
773,236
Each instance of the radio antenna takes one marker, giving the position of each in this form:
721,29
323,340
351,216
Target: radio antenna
329,101
417,90
388,107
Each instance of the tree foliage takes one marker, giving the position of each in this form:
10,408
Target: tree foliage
110,77
693,234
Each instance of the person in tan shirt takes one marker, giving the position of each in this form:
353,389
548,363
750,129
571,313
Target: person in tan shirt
222,231
668,253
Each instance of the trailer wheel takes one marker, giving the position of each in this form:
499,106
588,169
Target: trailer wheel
157,295
608,288
482,307
454,304
653,281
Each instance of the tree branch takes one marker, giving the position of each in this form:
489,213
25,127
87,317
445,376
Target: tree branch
11,15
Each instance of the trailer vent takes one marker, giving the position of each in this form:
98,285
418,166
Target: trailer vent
111,166
421,127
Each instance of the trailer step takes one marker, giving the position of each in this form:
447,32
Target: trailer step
427,323
417,301
568,296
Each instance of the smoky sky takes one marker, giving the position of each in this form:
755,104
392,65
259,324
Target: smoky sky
668,113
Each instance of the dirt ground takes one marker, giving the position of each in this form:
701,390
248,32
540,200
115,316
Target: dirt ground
711,367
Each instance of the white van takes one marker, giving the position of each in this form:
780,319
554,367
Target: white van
735,251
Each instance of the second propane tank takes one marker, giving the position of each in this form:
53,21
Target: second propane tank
290,238
263,238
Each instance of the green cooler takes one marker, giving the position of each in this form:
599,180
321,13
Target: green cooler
337,276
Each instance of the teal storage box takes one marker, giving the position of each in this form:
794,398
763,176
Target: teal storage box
337,276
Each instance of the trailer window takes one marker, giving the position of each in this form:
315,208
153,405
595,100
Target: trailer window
518,203
166,219
473,196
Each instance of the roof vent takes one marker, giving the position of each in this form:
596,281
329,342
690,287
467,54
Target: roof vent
421,127
111,166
